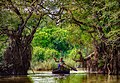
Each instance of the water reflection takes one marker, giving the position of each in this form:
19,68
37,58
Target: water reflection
74,78
52,78
15,79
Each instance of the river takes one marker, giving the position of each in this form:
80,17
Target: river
48,77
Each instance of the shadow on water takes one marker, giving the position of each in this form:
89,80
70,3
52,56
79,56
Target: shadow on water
52,78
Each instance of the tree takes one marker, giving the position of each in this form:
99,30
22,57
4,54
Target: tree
19,21
98,19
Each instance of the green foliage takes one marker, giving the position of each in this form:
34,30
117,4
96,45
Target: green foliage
3,46
41,54
49,43
59,42
102,13
73,53
113,35
54,38
8,19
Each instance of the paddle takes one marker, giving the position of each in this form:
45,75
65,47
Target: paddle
71,67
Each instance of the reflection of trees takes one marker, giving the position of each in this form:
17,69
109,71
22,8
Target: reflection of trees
16,79
72,78
98,78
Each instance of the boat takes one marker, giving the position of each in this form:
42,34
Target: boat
61,71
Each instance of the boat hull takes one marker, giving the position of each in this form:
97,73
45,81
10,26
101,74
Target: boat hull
60,71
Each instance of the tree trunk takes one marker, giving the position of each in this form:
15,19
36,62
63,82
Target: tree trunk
17,57
111,56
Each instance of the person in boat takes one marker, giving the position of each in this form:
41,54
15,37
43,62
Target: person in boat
61,63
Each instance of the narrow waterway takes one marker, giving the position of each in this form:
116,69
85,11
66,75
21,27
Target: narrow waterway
48,77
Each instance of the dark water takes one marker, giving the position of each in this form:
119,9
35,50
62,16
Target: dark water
50,78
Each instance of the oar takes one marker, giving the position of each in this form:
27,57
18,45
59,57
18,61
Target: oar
71,67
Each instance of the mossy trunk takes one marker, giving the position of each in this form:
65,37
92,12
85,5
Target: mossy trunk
17,57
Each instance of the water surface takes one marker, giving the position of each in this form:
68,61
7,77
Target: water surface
48,77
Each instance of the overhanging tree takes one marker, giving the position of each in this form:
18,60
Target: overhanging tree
20,24
100,18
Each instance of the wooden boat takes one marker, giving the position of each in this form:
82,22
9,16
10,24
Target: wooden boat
61,71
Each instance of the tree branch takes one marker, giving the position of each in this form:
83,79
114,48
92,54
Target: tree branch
21,28
30,37
34,29
95,27
15,9
89,56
